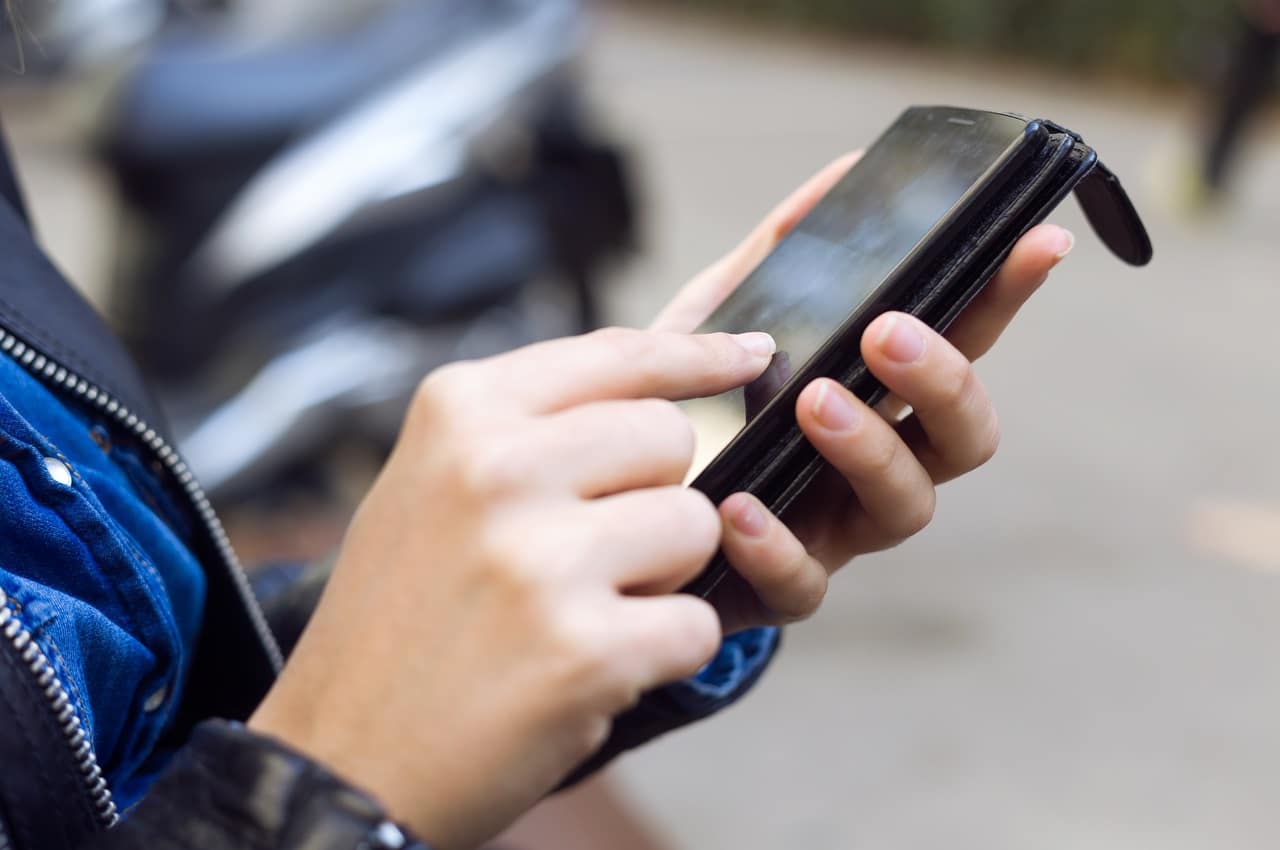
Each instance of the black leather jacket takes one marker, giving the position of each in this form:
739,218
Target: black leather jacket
226,788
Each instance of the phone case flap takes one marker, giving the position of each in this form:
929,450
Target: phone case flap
1113,217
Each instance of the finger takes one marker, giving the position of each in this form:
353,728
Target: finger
939,383
982,323
704,293
788,582
608,447
666,639
1026,268
589,451
619,363
894,491
650,541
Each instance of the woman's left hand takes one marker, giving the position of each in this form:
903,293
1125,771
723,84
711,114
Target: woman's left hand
879,488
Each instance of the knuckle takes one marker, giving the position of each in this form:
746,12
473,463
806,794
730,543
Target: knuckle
990,443
584,662
800,585
444,381
613,335
956,384
880,456
626,342
505,567
809,604
635,350
623,696
489,467
591,735
728,358
699,635
700,521
596,676
807,597
724,348
690,637
917,516
439,391
673,427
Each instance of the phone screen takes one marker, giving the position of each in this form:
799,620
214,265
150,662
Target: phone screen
844,249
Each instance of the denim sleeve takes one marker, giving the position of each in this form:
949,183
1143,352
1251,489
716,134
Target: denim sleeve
741,661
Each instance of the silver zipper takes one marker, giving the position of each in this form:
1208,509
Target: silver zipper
64,712
51,371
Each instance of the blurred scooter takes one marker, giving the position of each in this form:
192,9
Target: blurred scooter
316,214
311,226
48,41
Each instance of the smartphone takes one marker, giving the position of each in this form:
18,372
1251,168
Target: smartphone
919,224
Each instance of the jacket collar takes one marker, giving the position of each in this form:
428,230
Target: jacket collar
10,193
41,308
234,664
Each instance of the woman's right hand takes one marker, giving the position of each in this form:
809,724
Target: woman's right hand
507,586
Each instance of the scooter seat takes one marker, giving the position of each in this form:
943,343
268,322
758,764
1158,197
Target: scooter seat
197,95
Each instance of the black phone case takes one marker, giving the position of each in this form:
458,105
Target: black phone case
772,460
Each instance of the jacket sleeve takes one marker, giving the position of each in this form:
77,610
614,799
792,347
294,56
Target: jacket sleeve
231,789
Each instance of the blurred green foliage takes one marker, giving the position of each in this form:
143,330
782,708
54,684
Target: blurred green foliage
1161,38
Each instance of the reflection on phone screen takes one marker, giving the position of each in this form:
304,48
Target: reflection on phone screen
840,254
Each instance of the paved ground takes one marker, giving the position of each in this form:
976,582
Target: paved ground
1084,650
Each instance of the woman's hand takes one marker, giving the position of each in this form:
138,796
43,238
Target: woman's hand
879,487
507,587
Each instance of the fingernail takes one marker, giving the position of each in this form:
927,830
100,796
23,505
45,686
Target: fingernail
757,344
901,340
1066,241
832,408
748,517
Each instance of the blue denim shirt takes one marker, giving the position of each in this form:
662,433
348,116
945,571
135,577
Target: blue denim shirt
99,570
93,555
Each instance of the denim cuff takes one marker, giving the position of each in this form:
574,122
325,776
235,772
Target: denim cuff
742,657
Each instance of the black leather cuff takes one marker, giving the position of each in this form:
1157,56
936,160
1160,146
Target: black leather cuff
231,789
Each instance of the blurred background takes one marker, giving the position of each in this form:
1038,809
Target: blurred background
292,211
